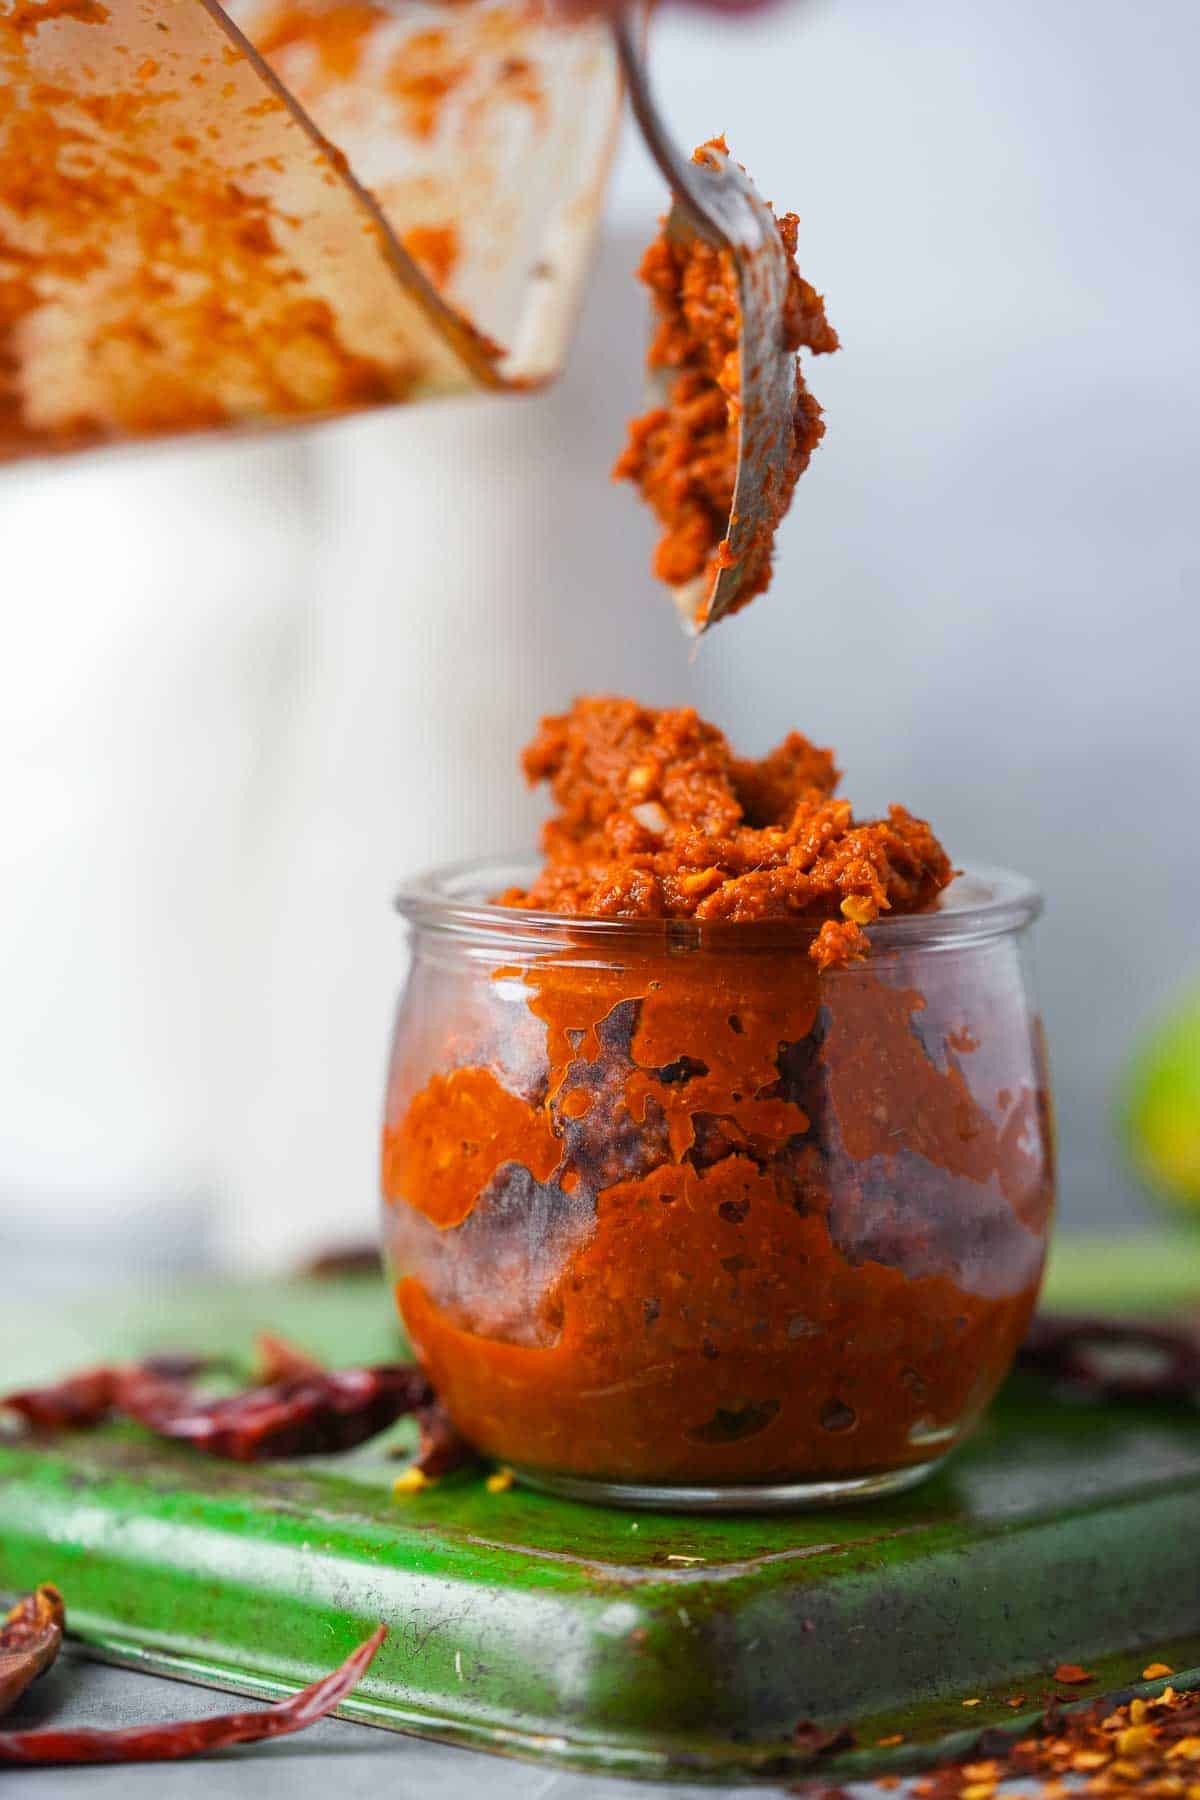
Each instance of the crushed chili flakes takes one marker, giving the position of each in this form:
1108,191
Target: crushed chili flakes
682,456
1144,1748
658,818
1071,1675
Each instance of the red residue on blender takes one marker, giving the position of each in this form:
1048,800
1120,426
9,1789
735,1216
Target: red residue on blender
436,249
421,77
27,15
337,34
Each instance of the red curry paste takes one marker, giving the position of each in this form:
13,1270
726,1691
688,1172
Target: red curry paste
658,818
682,457
697,1206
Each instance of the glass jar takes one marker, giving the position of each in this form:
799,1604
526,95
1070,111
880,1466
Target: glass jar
675,1219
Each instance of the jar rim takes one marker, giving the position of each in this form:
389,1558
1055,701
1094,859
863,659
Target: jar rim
451,900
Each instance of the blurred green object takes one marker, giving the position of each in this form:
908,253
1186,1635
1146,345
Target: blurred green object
1160,1108
1140,1274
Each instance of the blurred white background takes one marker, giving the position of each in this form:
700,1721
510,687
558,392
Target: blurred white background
248,688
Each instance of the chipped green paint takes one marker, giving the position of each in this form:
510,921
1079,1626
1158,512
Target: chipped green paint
648,1644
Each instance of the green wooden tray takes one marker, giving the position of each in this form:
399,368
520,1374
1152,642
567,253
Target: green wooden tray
660,1645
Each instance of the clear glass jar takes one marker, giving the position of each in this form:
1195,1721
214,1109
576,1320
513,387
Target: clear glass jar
676,1220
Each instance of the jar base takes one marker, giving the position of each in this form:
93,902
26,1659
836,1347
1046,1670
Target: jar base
781,1496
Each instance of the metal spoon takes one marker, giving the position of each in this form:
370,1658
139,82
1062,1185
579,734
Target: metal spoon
717,201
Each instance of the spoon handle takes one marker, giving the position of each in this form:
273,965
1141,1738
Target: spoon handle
672,165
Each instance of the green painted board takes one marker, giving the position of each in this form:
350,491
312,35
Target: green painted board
645,1644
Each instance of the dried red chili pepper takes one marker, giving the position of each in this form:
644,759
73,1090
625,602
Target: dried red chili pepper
177,1365
30,1640
299,1408
70,1405
1115,1359
441,1449
81,1401
191,1737
318,1412
278,1359
308,1415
